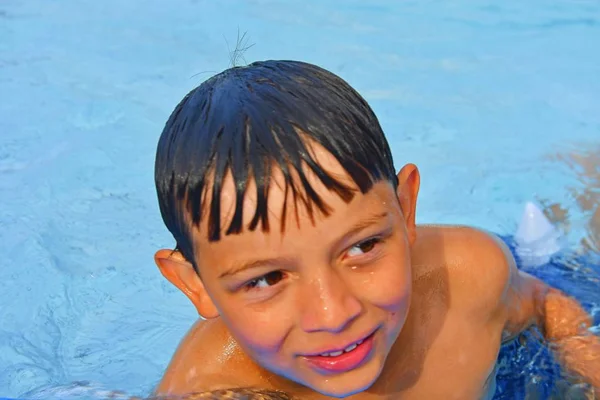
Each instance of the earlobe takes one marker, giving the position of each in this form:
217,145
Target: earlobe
409,181
182,275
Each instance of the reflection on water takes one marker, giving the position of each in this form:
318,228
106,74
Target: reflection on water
585,164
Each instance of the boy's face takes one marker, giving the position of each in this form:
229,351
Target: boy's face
322,302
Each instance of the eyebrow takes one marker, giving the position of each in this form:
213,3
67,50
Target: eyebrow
250,264
364,223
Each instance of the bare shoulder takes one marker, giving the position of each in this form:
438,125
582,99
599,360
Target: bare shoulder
482,266
478,265
208,358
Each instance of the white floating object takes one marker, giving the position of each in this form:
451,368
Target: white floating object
536,238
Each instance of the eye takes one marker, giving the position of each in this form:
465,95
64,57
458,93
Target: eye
363,247
270,279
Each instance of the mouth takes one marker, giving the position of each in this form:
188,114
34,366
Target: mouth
343,359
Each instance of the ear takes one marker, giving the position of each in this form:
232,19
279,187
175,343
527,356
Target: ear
407,191
182,274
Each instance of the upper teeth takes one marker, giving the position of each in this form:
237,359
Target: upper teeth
340,352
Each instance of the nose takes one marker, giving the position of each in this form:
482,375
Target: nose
328,304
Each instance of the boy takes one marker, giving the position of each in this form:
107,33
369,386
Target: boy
297,242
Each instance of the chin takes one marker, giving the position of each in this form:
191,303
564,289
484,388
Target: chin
350,383
343,392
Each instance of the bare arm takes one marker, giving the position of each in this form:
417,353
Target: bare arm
566,327
562,320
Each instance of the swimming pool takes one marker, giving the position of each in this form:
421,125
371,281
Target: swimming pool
480,94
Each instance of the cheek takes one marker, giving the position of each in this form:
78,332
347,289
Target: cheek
260,333
391,283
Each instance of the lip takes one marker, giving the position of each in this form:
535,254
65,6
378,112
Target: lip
346,361
341,348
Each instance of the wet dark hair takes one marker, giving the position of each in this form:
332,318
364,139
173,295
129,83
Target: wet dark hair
249,120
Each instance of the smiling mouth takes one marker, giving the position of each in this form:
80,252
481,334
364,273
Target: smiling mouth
340,352
349,358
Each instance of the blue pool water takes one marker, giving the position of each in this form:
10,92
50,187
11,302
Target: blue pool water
481,94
